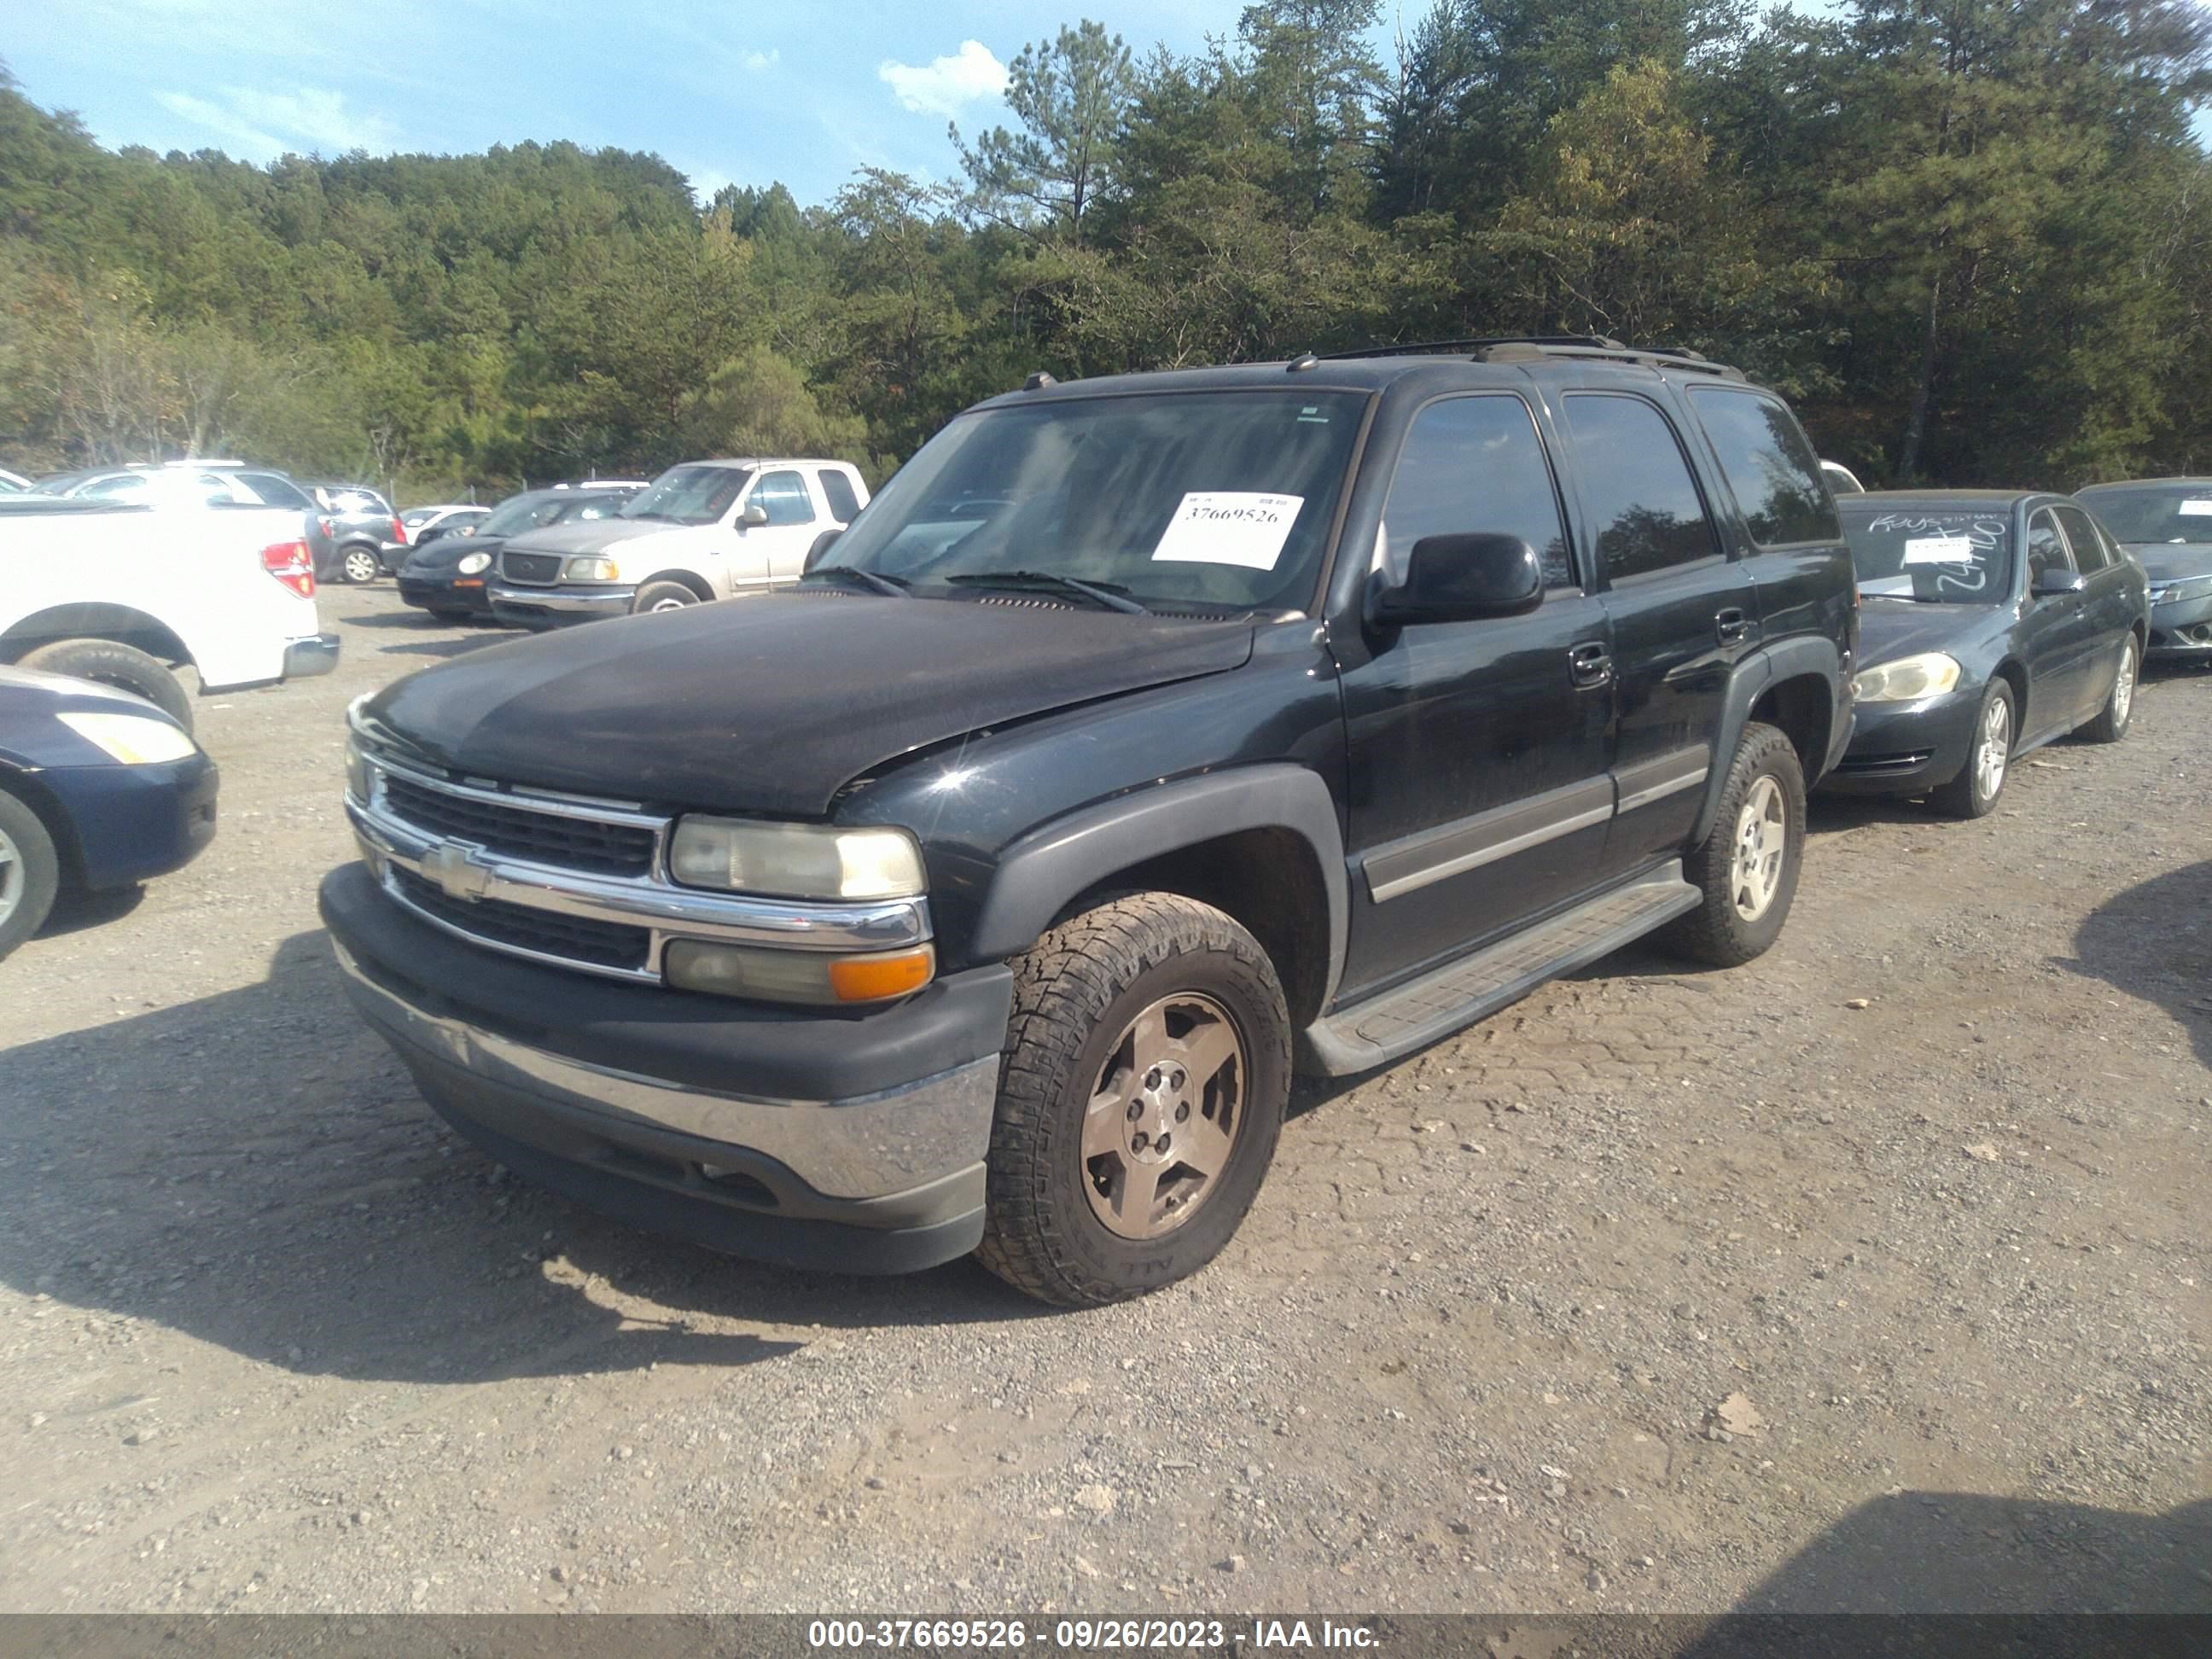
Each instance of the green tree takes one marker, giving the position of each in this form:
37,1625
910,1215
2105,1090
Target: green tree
1070,95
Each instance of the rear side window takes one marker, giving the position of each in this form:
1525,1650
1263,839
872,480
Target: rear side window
783,496
2081,536
1770,466
837,490
1645,511
276,491
1472,466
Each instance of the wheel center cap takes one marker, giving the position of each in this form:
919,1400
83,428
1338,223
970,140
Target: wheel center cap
1156,1111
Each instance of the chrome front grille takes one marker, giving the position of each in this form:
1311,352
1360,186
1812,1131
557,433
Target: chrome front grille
520,928
563,840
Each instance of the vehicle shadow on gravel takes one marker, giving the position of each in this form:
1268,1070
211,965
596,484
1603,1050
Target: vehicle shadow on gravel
2154,941
255,1171
445,648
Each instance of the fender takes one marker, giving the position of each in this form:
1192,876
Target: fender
1784,660
1044,869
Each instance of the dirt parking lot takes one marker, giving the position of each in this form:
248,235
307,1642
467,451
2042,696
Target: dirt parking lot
1873,1275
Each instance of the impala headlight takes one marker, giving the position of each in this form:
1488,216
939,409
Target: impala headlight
591,570
133,740
795,860
1908,678
474,564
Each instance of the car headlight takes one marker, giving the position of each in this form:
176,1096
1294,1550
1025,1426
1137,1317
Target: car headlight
358,777
773,976
473,564
591,570
2185,587
1908,679
134,740
795,860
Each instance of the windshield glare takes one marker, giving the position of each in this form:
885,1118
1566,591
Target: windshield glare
1938,553
513,515
690,494
2144,516
1214,499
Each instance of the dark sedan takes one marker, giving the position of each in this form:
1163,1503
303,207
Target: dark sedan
98,789
446,577
2167,523
1995,621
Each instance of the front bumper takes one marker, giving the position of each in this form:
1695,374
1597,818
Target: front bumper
2181,628
451,592
558,607
311,657
812,1138
134,823
1907,748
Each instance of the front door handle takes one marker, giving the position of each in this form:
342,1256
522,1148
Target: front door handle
1589,664
1731,625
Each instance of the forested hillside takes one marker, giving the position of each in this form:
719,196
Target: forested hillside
1972,239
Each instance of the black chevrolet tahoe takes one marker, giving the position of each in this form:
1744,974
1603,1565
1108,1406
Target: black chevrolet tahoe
1148,739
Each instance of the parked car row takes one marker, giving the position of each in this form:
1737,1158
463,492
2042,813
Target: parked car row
981,887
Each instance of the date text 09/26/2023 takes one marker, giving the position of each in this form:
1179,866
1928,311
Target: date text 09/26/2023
1289,1635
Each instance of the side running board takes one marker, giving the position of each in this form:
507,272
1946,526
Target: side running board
1393,1024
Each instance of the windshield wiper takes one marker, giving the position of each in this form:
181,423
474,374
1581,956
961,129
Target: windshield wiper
894,586
1111,595
1909,598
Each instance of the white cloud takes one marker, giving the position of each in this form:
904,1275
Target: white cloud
945,85
264,124
761,61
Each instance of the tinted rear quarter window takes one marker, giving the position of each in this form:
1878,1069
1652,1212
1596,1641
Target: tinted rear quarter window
837,490
1770,466
1646,515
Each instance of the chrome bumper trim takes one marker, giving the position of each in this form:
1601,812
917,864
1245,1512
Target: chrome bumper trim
858,1148
566,601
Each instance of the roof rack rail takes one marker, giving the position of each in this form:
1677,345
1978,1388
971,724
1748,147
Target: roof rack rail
1530,348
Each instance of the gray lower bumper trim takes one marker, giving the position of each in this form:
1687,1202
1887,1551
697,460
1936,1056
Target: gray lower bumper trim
568,601
861,1148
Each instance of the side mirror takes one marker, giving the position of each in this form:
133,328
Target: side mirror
753,517
1464,578
821,546
2058,583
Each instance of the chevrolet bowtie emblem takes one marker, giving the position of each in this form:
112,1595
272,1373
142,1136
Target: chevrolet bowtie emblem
454,866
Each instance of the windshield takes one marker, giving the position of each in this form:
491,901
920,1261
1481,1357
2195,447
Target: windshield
1216,498
1946,555
690,494
520,513
2168,514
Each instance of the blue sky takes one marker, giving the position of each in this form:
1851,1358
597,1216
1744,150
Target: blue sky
804,92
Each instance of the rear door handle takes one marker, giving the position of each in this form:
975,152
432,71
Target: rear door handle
1589,664
1731,625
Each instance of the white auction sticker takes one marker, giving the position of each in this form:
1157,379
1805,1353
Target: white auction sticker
1939,549
2196,509
1228,526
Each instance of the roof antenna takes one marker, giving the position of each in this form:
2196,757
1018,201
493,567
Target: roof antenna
1039,381
1305,360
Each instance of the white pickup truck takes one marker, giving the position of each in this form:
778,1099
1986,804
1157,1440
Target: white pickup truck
704,530
127,595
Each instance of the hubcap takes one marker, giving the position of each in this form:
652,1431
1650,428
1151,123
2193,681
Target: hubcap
11,877
2124,686
668,605
1164,1117
1762,836
360,566
1993,752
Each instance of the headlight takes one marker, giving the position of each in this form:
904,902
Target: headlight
474,563
1908,679
591,570
357,773
795,860
134,740
2185,587
772,975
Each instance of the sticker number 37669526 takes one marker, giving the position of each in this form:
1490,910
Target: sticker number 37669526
1228,526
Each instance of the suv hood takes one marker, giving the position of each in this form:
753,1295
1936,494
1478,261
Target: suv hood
592,535
769,705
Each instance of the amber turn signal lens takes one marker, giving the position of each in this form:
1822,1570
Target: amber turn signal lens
872,979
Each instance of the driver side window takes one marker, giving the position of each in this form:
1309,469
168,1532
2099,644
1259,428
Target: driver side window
1474,464
2046,550
783,496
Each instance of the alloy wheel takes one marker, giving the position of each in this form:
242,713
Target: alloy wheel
11,876
2123,686
1164,1115
360,566
1993,753
1762,840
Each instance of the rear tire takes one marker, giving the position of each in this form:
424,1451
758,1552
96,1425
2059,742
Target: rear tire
360,566
1747,865
30,872
2111,722
1148,1019
111,663
662,596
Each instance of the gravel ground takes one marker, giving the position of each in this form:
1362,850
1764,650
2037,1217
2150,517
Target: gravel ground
1871,1276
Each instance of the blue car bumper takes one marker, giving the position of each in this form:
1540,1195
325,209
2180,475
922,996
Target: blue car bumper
131,823
1907,748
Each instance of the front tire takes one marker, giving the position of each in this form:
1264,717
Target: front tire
360,566
662,596
30,872
1974,792
1747,865
2111,722
1147,1070
111,663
